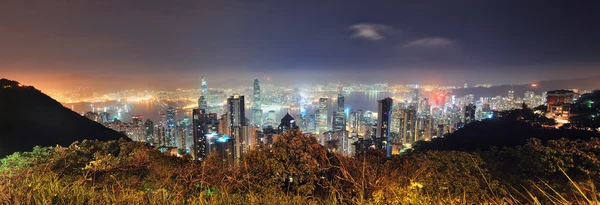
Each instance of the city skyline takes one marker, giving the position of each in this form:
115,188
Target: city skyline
138,44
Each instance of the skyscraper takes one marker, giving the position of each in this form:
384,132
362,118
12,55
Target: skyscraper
169,130
469,113
204,92
199,144
384,114
204,86
149,131
256,106
339,116
202,103
322,116
237,124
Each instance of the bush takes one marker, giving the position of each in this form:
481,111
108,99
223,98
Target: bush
296,170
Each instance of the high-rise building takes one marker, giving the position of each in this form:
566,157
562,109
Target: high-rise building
511,94
236,111
270,120
469,113
170,128
256,106
339,116
202,103
237,124
149,131
225,148
204,87
382,136
199,132
322,116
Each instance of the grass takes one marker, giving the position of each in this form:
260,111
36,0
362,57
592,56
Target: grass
131,173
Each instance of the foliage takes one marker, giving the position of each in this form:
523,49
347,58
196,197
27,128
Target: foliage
297,170
585,112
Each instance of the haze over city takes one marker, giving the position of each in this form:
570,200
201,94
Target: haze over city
151,45
299,102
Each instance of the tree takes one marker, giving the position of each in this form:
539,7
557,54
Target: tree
585,112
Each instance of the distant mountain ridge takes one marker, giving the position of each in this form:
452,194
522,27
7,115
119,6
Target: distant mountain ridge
29,118
587,83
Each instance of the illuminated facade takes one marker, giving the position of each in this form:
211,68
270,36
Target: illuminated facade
382,135
257,112
339,115
469,113
200,130
149,131
322,119
237,124
170,127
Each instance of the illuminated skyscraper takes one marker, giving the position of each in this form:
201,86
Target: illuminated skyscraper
339,117
322,116
511,94
237,123
204,86
469,113
149,131
384,115
271,115
202,103
199,144
169,130
204,92
256,106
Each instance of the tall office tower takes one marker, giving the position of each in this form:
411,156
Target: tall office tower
360,122
312,123
271,115
202,103
353,122
225,148
415,96
204,87
224,126
322,116
384,114
511,94
186,126
408,125
149,131
199,143
237,123
169,130
256,106
396,124
339,116
469,113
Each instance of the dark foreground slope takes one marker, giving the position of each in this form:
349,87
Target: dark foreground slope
485,134
29,118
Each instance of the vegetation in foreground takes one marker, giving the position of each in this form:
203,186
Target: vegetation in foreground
297,170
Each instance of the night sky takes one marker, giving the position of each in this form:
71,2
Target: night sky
152,44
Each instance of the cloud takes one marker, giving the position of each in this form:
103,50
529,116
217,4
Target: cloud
369,31
430,42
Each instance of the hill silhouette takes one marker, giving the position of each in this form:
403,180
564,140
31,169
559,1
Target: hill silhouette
587,83
29,118
483,135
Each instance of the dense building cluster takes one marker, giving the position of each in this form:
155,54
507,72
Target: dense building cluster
408,114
